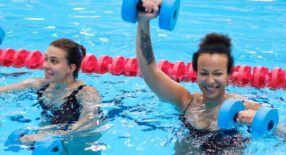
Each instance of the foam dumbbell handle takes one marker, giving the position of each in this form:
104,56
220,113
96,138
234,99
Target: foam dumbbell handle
264,122
48,146
227,113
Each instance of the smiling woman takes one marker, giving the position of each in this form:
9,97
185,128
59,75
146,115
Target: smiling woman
212,62
65,101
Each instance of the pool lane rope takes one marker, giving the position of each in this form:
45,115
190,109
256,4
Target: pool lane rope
242,75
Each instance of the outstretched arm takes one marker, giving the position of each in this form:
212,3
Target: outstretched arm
164,87
30,83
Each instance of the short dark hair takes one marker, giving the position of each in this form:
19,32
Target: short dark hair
215,43
75,52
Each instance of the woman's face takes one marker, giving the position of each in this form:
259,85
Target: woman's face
212,75
56,67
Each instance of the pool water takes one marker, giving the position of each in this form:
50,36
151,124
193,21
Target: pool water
137,121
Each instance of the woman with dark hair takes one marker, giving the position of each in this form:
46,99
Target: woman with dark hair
212,63
68,104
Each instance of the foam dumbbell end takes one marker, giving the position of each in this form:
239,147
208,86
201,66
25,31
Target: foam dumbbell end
169,13
227,113
264,122
13,142
48,146
129,10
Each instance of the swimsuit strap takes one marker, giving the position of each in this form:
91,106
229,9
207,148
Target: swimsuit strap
75,92
40,92
189,104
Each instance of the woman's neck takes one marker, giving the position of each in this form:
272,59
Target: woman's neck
64,84
215,102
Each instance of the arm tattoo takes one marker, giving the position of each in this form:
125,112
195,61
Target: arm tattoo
146,47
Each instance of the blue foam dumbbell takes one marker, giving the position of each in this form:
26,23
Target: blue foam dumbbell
264,122
13,142
48,146
168,15
2,35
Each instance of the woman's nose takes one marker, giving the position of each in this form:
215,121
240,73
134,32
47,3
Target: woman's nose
210,79
46,65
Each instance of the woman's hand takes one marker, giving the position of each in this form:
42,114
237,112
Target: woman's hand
151,10
245,116
32,137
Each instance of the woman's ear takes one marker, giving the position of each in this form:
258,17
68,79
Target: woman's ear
72,67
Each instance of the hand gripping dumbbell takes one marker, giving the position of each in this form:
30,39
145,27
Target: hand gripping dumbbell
51,145
168,15
264,122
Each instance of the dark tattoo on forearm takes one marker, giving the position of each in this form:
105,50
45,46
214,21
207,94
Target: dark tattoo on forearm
146,47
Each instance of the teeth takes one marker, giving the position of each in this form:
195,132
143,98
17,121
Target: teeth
211,88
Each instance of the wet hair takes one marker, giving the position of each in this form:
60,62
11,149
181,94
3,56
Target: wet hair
214,43
75,52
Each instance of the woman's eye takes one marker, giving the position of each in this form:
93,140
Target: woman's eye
203,74
53,61
218,74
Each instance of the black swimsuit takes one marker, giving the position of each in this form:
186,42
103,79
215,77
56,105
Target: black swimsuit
212,141
69,111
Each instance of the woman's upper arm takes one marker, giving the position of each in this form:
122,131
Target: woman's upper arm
167,89
29,83
247,103
90,99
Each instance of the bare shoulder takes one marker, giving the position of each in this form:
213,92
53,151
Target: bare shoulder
89,93
36,83
90,89
188,101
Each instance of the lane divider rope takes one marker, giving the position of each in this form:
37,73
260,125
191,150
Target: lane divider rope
242,75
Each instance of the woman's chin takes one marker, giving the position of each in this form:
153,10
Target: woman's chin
213,95
47,80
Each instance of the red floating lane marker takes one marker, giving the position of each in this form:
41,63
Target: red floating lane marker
166,66
117,66
42,60
284,80
259,77
6,57
276,78
20,58
241,76
191,74
33,60
88,64
178,72
103,64
131,67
